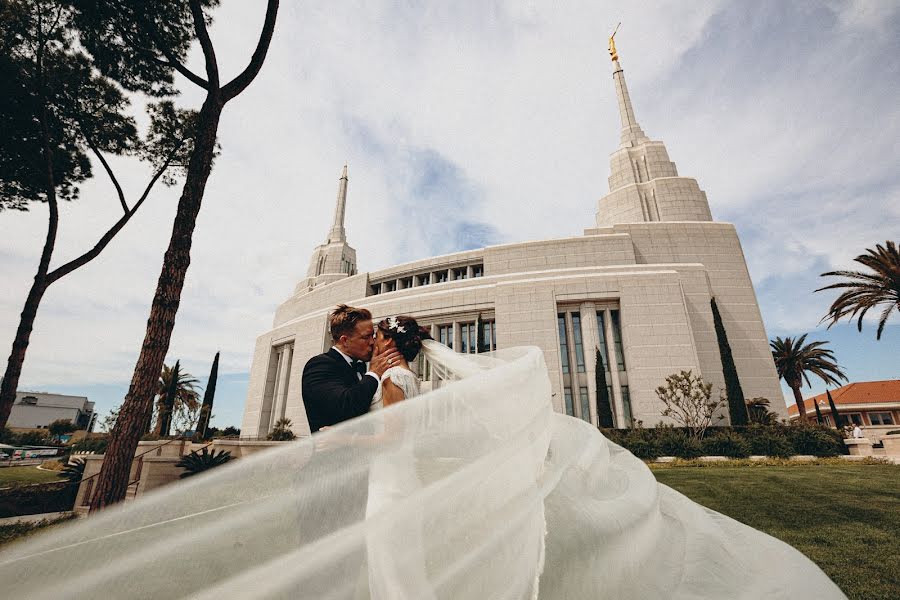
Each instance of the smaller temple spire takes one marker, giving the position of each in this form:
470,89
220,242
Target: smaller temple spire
337,233
632,134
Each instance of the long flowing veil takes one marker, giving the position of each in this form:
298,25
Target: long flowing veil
501,497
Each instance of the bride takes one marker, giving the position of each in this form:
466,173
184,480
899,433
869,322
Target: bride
477,489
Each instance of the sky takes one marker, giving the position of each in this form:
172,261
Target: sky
476,123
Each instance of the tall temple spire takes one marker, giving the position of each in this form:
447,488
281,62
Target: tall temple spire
632,134
644,185
337,233
335,259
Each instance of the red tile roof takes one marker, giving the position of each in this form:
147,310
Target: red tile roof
863,392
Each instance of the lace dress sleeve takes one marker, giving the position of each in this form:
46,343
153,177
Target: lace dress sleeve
404,379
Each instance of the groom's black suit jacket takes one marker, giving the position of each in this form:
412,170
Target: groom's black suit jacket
332,391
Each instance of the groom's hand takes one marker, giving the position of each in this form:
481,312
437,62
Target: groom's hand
382,362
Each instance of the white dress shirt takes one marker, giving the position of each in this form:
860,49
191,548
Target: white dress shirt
350,362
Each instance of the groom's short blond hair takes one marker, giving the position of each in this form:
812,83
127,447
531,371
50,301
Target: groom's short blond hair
344,319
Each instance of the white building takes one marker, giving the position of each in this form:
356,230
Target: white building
637,286
36,410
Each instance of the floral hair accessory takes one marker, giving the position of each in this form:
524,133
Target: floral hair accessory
394,324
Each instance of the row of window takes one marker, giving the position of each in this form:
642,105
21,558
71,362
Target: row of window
579,345
875,418
577,395
420,279
471,340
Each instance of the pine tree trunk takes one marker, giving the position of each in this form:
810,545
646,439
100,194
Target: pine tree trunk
208,396
19,347
113,480
798,398
26,321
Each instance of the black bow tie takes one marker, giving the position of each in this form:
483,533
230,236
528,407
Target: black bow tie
360,367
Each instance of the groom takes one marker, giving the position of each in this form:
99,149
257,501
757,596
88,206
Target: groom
336,385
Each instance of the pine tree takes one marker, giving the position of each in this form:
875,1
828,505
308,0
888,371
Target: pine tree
604,410
737,409
208,395
838,421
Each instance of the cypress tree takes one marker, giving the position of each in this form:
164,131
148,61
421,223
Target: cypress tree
737,409
819,418
208,395
604,411
834,412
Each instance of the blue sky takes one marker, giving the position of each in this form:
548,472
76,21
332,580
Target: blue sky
478,123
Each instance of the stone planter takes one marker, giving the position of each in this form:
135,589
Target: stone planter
891,445
859,446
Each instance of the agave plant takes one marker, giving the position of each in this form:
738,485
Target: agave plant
864,291
197,462
73,471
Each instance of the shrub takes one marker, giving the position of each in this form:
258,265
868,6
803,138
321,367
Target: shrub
815,441
672,442
640,447
768,441
35,499
95,445
725,443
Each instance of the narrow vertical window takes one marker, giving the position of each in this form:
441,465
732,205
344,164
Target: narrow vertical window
570,409
563,343
617,339
579,347
585,404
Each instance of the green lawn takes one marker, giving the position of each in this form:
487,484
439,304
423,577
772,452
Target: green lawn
846,517
26,475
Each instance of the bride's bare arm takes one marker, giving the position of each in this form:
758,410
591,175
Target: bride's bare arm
391,393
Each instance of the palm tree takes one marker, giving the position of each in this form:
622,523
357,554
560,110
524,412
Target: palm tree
794,360
197,462
281,432
73,471
759,413
881,287
177,396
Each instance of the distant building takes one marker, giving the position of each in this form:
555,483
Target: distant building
873,405
36,410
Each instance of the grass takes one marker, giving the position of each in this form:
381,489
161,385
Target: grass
26,475
841,515
19,531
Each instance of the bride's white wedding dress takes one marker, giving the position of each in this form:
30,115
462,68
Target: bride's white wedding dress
504,499
395,554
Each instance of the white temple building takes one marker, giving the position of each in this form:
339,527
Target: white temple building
636,286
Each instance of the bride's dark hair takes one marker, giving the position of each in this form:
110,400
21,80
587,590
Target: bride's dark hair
406,333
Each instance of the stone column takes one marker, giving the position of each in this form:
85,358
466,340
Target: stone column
591,342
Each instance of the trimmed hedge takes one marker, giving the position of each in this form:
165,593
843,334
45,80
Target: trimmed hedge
734,442
725,443
35,499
